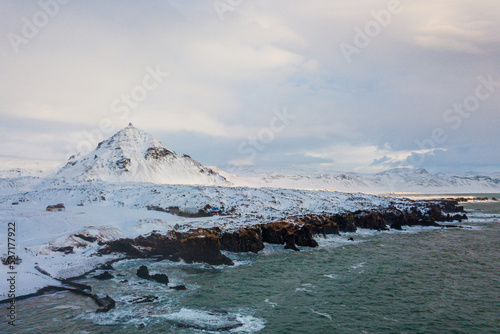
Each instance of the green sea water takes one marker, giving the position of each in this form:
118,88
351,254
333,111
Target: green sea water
422,280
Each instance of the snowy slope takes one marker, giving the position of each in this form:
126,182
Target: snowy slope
132,155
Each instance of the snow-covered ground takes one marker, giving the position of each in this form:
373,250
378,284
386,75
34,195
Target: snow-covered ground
115,210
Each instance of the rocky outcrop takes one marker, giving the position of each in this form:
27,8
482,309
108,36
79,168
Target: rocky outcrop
143,272
143,299
290,233
243,240
104,276
205,244
194,246
179,287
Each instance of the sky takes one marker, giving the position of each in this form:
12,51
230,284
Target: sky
360,86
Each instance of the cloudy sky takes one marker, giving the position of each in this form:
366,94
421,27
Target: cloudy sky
343,85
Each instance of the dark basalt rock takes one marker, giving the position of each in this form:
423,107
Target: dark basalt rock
126,246
450,206
160,278
65,250
143,272
178,287
205,248
104,276
304,236
345,222
289,234
107,303
372,220
273,233
106,266
243,240
289,244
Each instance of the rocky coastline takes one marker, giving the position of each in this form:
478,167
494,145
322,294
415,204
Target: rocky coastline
205,245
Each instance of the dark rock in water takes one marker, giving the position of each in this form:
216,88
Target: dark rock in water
283,232
351,239
451,206
107,303
106,266
321,224
396,226
273,233
143,272
370,219
304,237
345,222
243,240
143,299
204,247
178,287
289,244
104,276
160,278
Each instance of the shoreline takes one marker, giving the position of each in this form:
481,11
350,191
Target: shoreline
205,244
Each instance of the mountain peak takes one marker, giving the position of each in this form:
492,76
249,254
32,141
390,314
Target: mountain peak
133,155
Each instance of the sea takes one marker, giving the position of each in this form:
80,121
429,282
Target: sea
420,280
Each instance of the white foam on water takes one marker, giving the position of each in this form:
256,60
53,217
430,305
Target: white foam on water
250,323
336,240
211,320
326,315
332,276
273,305
480,214
359,265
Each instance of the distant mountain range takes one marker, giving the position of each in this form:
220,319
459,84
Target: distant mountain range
391,181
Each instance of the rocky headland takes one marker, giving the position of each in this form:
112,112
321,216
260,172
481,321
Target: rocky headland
205,244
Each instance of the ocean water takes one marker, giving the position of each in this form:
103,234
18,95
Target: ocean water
422,280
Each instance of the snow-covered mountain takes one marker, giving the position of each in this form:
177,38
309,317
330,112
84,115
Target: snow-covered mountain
132,155
394,180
